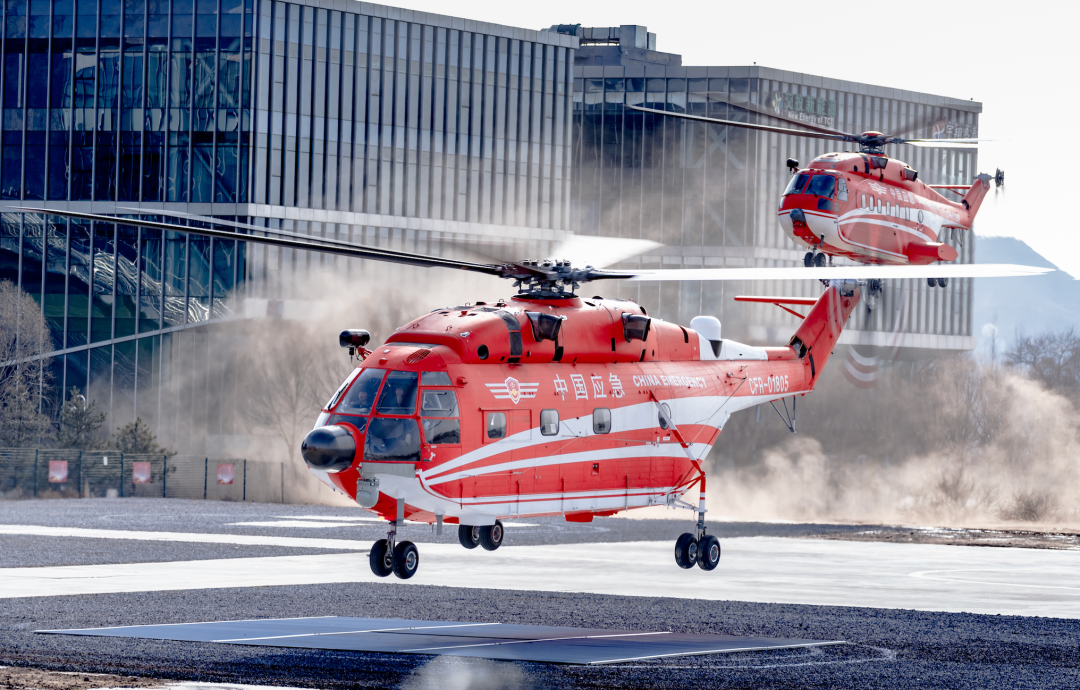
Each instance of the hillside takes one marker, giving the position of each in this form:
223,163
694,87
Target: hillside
1032,304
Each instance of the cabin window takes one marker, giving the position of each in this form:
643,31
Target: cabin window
399,394
863,204
822,185
361,395
920,216
660,417
392,440
796,184
439,409
549,422
888,208
496,425
601,420
879,205
841,194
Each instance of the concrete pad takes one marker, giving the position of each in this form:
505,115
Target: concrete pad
553,644
1026,582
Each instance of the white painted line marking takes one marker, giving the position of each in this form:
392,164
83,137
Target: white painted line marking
545,639
356,632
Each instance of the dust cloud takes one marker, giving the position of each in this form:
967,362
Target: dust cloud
952,443
268,373
450,673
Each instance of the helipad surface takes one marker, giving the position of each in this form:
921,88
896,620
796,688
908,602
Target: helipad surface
551,644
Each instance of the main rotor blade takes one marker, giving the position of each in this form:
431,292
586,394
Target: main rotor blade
315,244
746,125
840,272
767,112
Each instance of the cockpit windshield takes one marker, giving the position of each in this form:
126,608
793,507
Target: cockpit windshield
399,394
341,389
361,395
797,183
822,185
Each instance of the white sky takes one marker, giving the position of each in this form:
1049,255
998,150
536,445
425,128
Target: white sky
1017,58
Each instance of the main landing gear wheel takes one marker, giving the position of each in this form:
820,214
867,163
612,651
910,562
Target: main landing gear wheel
819,260
381,559
491,537
686,551
406,560
942,282
708,552
808,260
469,536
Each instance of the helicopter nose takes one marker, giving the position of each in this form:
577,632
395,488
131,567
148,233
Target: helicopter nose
329,448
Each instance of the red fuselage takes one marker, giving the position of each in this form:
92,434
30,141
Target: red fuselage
874,210
466,414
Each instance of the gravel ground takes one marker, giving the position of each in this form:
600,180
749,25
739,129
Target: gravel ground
887,648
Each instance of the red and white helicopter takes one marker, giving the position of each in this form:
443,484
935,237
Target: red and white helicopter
865,206
549,403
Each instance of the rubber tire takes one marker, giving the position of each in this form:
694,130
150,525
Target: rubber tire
686,551
942,282
708,555
469,536
808,260
406,559
376,560
932,282
819,260
492,536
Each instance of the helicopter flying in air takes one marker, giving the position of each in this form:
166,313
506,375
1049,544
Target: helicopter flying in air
551,403
864,205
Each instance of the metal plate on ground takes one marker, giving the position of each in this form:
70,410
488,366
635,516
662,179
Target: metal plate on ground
551,644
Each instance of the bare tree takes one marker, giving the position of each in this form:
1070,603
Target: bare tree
287,378
24,339
1051,357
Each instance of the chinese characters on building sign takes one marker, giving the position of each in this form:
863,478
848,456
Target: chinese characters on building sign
812,109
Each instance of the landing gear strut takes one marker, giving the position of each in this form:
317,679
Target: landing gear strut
390,556
699,549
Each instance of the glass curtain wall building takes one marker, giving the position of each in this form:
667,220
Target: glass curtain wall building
339,119
709,193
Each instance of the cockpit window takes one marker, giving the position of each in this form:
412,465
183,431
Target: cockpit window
822,185
797,183
439,404
399,394
341,389
437,407
392,440
361,395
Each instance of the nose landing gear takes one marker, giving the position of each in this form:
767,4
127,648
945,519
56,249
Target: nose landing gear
390,556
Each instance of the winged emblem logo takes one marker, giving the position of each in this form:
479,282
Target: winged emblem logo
513,390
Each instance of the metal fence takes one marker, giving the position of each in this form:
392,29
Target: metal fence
26,473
